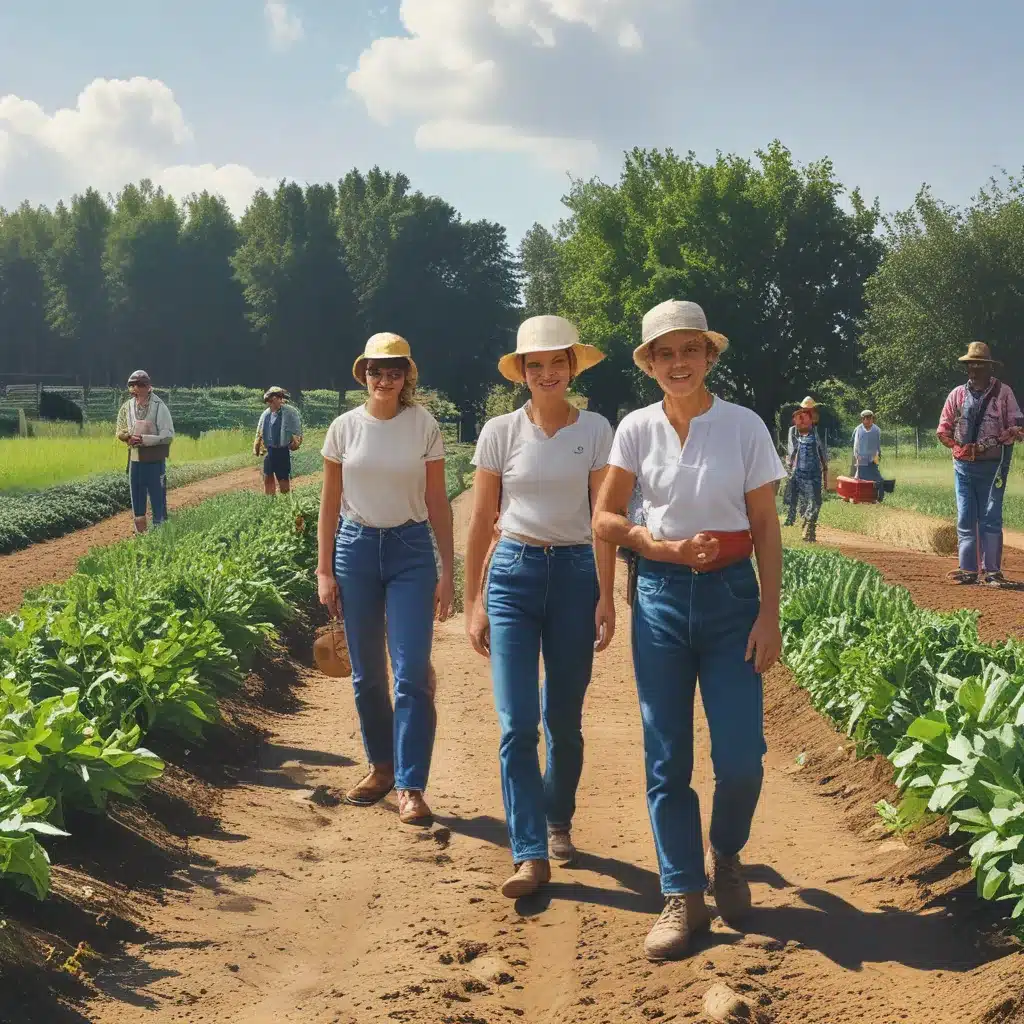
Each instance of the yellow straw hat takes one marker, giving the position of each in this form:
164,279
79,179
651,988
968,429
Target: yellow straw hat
547,334
979,352
384,346
673,315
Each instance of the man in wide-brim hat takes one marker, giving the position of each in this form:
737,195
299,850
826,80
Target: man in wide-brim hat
278,434
807,462
980,423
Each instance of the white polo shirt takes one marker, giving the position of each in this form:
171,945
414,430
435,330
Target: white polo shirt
384,464
545,481
703,484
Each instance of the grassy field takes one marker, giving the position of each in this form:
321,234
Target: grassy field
32,463
925,484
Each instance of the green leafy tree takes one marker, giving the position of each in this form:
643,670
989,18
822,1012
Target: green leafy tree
541,272
78,306
144,283
949,277
216,338
764,247
26,340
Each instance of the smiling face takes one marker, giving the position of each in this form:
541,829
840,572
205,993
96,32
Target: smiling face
385,379
548,374
980,375
680,361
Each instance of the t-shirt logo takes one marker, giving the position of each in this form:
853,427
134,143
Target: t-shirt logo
578,450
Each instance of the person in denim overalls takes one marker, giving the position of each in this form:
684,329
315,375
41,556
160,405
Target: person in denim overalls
807,460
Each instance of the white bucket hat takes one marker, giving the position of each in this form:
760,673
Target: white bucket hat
673,315
547,334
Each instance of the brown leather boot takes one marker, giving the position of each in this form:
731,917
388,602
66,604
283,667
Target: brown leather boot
413,808
683,917
373,787
527,879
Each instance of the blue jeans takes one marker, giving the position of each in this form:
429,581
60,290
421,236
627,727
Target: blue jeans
540,601
979,515
686,626
804,496
389,576
148,479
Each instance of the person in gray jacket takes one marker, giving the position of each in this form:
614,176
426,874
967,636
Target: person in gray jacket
278,434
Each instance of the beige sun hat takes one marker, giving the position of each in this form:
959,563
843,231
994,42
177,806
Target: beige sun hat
384,346
979,352
547,334
673,315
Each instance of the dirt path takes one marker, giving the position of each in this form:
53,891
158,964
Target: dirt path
55,560
294,912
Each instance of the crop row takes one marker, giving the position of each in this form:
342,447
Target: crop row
920,688
141,641
27,518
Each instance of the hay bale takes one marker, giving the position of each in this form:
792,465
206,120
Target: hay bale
914,531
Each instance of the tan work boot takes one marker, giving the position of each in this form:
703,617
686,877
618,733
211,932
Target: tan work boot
528,878
560,845
683,917
731,891
373,787
413,808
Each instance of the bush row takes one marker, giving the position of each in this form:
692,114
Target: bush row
920,688
142,640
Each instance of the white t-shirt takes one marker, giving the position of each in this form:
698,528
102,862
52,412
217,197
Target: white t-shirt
728,453
384,475
545,481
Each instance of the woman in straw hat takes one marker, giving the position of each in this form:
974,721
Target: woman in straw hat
384,489
980,423
278,434
807,458
703,465
548,590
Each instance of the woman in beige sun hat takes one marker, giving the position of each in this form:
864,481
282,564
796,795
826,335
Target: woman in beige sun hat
383,493
707,471
549,589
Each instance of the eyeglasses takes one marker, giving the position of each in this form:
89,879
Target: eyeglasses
388,375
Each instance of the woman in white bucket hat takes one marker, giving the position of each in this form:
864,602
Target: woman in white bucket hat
703,465
383,493
548,591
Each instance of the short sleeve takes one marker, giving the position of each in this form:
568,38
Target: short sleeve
602,443
624,453
334,443
433,446
488,454
761,462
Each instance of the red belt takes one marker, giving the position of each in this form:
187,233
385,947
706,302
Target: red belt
733,546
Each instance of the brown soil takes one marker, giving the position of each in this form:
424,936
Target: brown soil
276,908
55,560
925,576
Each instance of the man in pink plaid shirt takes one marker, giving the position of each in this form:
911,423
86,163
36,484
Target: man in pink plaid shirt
980,423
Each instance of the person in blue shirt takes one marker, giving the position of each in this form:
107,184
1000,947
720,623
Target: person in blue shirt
867,450
278,434
807,462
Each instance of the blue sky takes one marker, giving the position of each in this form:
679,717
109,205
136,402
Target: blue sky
490,103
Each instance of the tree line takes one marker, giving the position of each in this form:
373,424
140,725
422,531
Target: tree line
817,292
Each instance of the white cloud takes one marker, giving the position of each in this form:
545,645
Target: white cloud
550,78
118,131
284,26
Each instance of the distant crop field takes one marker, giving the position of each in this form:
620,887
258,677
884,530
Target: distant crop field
32,463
